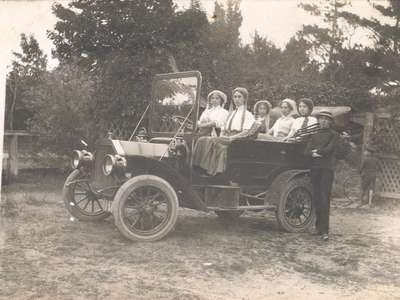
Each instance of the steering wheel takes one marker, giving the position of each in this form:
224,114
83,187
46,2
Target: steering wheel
179,120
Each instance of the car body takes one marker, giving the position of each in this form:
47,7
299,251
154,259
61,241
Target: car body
143,181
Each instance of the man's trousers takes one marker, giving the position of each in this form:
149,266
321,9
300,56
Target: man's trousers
322,180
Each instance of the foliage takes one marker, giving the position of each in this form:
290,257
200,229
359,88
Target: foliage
27,69
63,109
116,47
384,58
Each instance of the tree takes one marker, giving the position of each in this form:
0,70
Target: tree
224,47
27,69
327,41
64,106
91,30
125,43
383,59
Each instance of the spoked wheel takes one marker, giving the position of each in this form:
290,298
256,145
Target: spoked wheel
145,208
81,200
352,187
295,211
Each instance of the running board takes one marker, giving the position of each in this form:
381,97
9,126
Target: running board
245,207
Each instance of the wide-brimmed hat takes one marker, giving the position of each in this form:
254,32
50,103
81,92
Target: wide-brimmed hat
266,102
220,94
325,114
292,104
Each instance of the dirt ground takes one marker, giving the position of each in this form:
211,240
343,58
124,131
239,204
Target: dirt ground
45,255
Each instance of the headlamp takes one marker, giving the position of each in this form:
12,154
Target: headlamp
113,163
81,158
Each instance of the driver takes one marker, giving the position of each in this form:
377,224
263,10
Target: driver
210,152
214,115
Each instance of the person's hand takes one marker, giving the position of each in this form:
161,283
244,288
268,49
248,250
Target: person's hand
315,154
345,135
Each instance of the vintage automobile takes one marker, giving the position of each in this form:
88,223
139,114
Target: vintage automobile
143,181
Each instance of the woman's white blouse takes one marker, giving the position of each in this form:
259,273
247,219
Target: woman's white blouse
237,119
299,122
215,114
282,126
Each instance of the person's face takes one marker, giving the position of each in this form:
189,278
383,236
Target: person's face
324,122
285,108
238,99
262,110
215,100
303,109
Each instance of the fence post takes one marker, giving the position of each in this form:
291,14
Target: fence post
13,156
367,134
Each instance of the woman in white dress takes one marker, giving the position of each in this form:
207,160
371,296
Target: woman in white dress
305,107
283,125
214,116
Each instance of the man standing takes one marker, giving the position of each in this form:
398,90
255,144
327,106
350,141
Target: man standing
321,147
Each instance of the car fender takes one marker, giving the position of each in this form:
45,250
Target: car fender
139,165
280,182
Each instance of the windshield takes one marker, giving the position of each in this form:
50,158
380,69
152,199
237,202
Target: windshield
173,100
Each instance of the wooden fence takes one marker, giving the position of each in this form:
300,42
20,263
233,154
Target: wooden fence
383,130
11,157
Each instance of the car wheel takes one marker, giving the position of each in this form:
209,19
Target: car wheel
229,215
295,211
81,201
145,208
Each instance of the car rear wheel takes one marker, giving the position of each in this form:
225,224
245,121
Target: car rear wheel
145,208
81,201
295,212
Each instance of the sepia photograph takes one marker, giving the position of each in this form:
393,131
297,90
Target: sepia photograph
200,149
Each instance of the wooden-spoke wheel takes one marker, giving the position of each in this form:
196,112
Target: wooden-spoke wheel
81,200
145,208
295,211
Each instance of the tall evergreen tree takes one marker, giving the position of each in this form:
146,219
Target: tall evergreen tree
328,40
383,61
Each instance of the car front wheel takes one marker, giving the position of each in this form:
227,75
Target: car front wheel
145,208
81,201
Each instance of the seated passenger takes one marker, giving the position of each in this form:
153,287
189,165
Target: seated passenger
214,116
210,152
305,107
261,111
283,125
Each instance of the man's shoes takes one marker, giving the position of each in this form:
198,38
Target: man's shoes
325,237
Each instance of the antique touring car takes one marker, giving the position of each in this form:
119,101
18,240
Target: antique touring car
143,181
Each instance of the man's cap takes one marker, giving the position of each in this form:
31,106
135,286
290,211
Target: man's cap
325,114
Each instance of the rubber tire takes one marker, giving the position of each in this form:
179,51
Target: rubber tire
124,192
229,215
68,197
280,212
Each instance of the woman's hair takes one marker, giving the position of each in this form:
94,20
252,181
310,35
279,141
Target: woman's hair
243,91
309,103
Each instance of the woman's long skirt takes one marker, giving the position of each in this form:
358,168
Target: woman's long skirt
210,154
